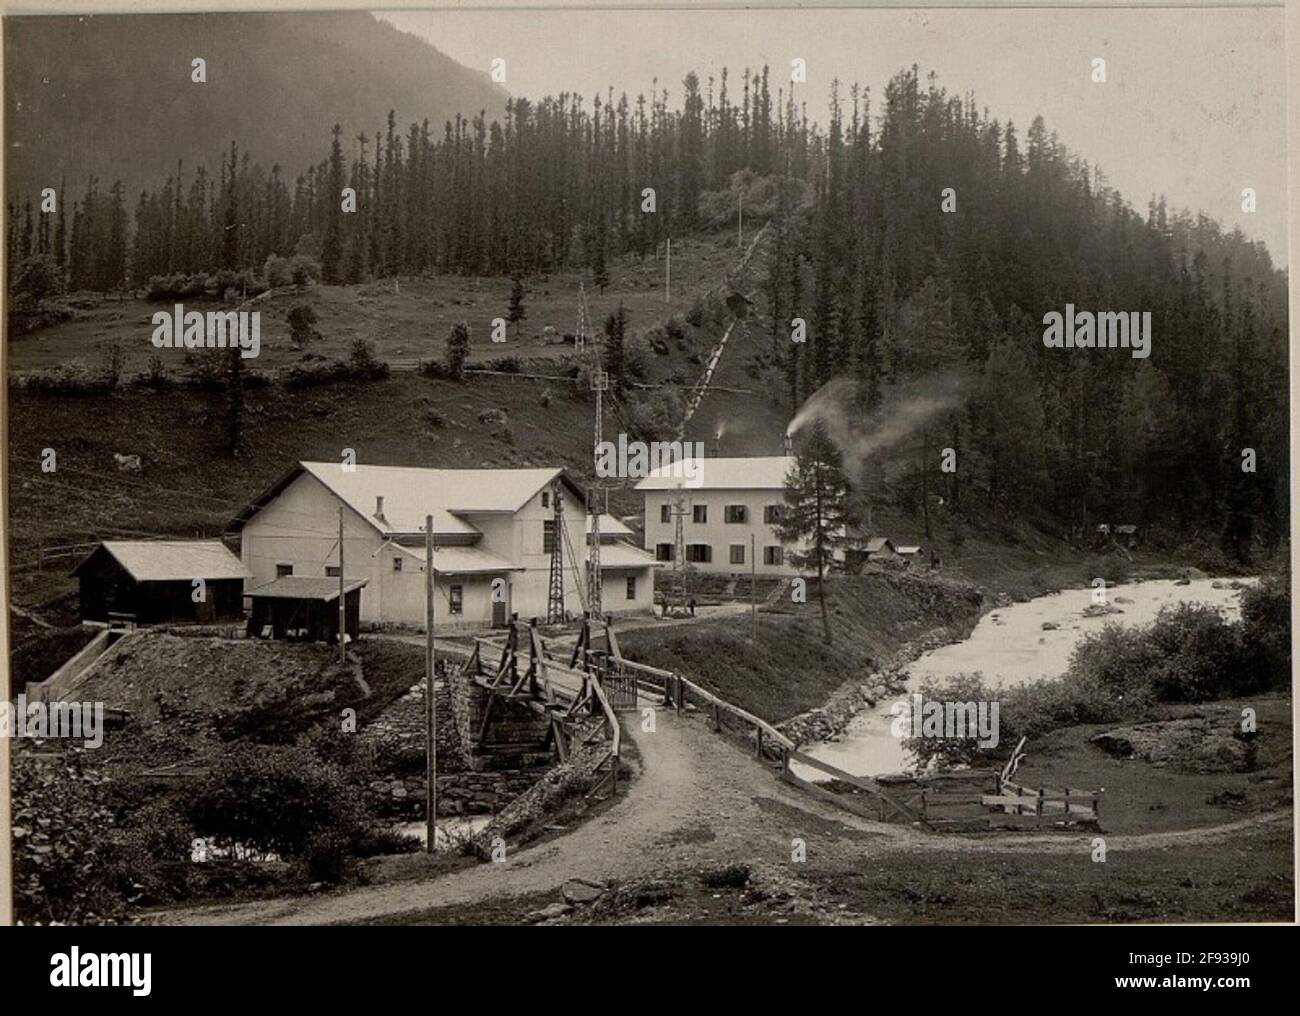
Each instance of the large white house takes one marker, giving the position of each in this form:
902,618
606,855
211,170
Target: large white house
734,507
488,524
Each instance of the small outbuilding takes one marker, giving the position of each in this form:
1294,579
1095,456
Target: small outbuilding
298,607
161,582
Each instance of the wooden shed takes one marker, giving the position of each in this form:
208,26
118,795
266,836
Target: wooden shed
298,607
161,582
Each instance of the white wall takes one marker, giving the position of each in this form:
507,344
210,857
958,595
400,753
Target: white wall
718,533
301,527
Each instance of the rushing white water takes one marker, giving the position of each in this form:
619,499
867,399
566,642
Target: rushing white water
1009,646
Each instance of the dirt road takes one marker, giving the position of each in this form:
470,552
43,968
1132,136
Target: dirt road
697,801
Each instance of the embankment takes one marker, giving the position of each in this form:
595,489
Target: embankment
785,669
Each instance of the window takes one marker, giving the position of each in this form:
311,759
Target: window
546,499
737,513
699,553
397,564
664,551
281,570
631,587
774,555
456,599
737,553
700,513
332,570
548,536
665,513
772,514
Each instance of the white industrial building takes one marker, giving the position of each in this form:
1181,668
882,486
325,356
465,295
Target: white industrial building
493,529
731,507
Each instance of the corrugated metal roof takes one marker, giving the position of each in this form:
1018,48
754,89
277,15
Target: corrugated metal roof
173,560
460,560
301,587
759,473
412,492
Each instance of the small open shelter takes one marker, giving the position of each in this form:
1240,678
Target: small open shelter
299,607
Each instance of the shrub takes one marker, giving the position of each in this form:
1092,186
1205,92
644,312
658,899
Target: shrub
276,800
278,271
506,364
945,751
302,320
74,377
326,856
308,375
363,364
155,376
1266,630
304,270
377,842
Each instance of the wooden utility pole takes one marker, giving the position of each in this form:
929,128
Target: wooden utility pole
430,706
343,607
753,602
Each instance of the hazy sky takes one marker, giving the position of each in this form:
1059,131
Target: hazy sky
1194,105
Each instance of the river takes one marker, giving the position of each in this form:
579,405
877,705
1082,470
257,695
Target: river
1009,646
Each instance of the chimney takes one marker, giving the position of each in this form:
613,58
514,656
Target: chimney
788,443
717,447
379,506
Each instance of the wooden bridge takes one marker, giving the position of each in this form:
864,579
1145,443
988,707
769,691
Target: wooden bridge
581,692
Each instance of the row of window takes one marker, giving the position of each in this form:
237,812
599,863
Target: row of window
702,553
737,514
455,594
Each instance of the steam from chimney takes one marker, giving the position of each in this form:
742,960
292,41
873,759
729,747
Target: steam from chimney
905,412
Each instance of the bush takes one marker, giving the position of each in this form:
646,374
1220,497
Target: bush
322,372
304,269
378,842
276,800
506,364
278,271
363,364
75,377
326,856
1266,630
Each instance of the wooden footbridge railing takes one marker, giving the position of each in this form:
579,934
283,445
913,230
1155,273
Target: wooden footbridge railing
595,676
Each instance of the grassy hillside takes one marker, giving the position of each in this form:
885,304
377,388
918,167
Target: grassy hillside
784,665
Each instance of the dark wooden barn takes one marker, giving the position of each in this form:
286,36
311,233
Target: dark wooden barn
298,607
162,582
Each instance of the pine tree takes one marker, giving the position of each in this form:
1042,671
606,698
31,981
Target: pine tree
516,311
615,356
816,509
331,255
457,350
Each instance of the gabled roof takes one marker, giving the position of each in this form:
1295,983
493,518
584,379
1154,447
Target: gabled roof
172,560
412,492
302,587
907,548
878,543
763,472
